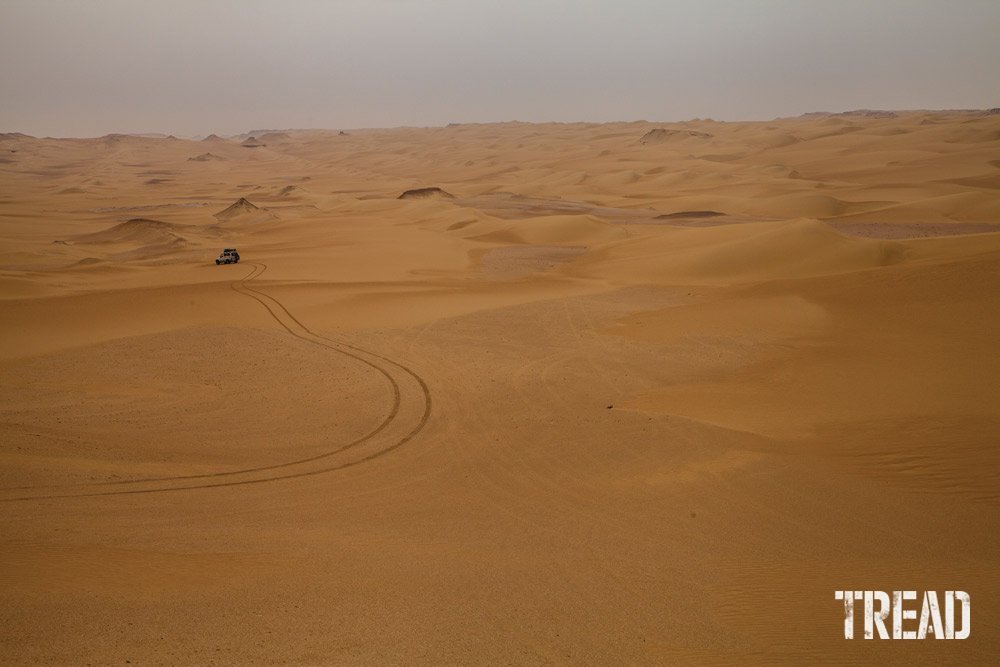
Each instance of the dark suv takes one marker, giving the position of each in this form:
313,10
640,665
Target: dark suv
228,256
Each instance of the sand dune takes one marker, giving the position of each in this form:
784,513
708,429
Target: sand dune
426,193
660,135
242,210
555,230
145,240
142,230
641,393
734,254
271,138
291,191
205,157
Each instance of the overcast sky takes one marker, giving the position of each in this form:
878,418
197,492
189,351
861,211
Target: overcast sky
86,68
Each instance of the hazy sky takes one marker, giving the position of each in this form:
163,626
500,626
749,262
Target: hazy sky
86,68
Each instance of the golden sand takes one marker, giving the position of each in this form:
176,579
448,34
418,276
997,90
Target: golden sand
620,393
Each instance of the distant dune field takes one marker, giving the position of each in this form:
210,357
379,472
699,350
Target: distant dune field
499,394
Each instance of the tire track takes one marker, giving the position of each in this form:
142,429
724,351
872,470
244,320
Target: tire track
291,324
258,270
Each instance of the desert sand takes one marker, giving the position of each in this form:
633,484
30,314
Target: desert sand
506,393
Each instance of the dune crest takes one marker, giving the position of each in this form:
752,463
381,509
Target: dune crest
243,210
660,135
273,138
206,157
432,192
135,230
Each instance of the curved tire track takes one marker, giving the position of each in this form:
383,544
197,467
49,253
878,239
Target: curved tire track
280,313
